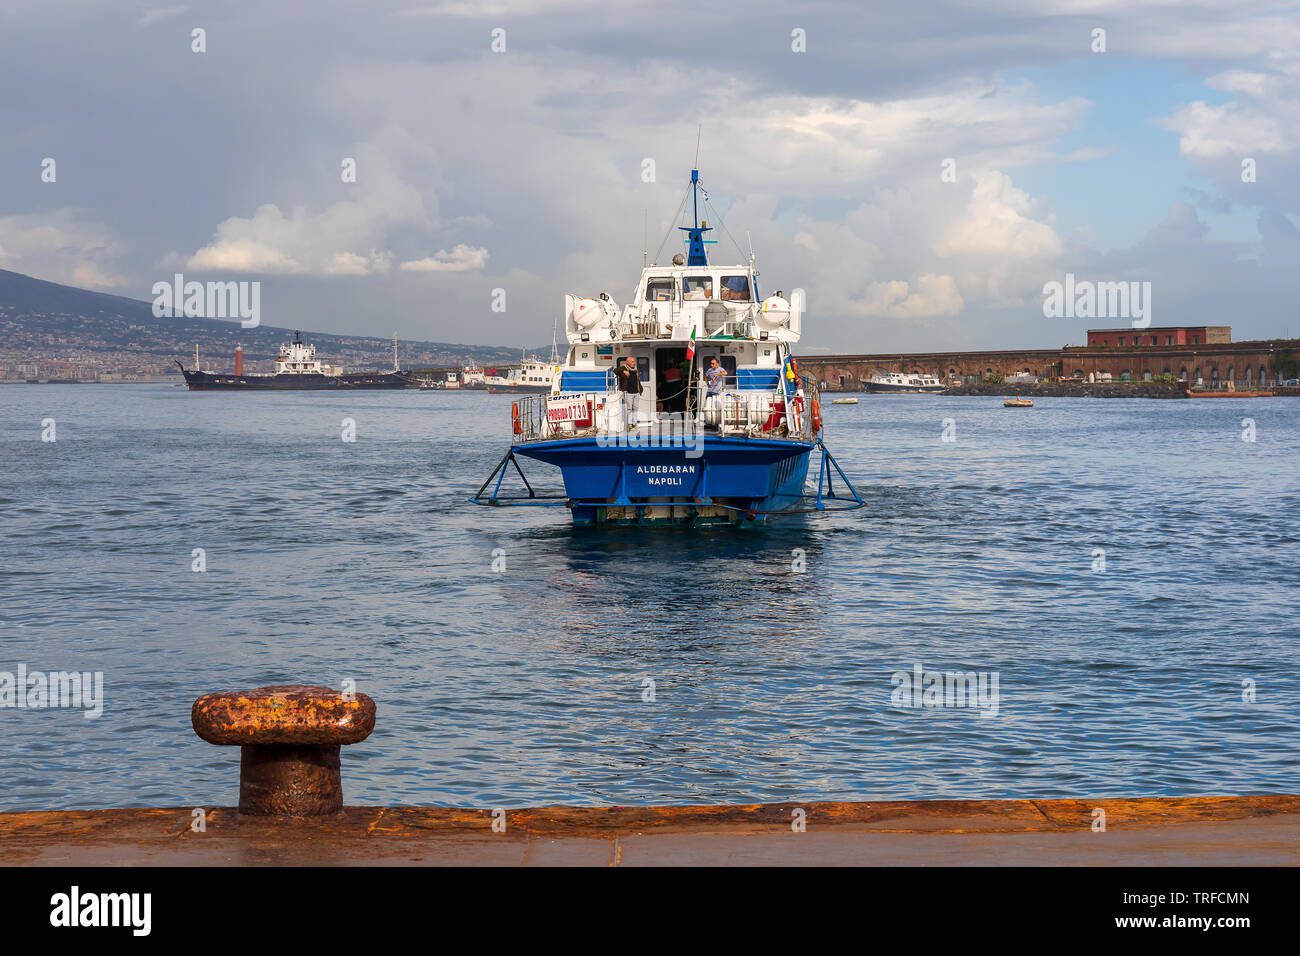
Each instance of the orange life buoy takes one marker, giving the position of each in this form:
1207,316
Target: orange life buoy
514,414
817,416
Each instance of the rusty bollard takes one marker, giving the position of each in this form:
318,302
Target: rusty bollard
290,735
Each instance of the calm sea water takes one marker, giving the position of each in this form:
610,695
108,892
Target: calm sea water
328,561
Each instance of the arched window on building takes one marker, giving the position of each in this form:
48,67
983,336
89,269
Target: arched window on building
1196,376
1182,374
1214,374
1079,373
1231,377
1263,374
1126,375
1146,375
1246,375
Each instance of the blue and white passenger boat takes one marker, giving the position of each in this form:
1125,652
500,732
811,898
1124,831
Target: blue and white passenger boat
700,443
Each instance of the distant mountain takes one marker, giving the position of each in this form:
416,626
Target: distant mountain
44,321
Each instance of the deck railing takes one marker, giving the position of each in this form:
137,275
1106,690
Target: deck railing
661,317
734,413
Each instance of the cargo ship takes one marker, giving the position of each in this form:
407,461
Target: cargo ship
296,367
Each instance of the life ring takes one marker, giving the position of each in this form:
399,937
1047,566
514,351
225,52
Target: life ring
817,416
514,415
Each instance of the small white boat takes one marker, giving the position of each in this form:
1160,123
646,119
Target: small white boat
898,382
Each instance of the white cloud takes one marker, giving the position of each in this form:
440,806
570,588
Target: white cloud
461,259
933,295
997,222
345,238
60,247
1261,120
155,14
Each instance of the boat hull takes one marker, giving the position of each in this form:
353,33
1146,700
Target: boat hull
519,389
220,381
721,480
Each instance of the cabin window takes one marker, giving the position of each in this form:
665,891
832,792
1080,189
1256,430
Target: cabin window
735,288
697,288
659,290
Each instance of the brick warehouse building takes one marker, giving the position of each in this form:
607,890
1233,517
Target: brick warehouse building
1167,335
1213,358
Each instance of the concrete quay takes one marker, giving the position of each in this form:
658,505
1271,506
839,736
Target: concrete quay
1166,831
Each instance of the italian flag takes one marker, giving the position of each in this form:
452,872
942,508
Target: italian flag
690,349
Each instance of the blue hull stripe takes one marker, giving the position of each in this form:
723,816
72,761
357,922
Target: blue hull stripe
767,474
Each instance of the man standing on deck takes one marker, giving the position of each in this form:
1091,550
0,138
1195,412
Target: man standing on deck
716,378
629,386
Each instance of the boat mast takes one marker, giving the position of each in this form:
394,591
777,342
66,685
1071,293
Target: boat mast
395,368
695,233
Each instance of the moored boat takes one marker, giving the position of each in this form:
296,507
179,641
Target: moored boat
904,382
532,377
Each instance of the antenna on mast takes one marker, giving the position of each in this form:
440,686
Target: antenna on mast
645,238
699,131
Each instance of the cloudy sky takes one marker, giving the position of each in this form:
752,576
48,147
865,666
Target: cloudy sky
522,169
